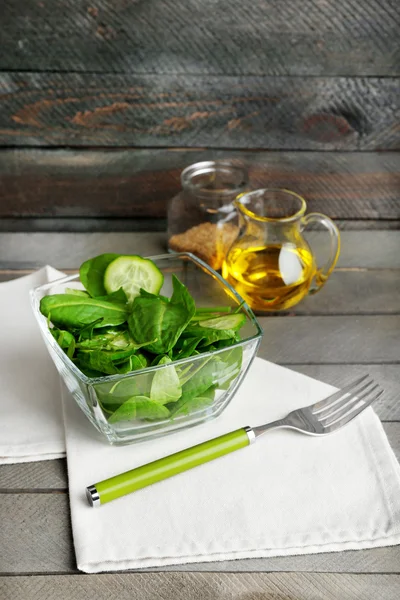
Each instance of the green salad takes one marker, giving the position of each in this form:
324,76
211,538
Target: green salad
120,323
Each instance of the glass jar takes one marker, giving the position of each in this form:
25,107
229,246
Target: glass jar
202,218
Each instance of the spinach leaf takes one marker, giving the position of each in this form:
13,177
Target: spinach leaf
208,336
92,271
105,341
147,294
76,292
165,386
215,371
69,310
233,361
87,331
153,318
118,356
97,360
139,361
139,407
155,360
200,378
146,322
181,296
189,404
210,331
89,372
203,312
118,296
71,349
125,365
220,344
185,347
112,394
227,322
63,338
110,362
112,340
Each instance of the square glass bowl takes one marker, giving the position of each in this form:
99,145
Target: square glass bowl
114,404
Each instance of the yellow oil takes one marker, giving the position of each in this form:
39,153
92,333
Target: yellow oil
270,278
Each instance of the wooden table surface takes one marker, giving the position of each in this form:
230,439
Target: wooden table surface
351,327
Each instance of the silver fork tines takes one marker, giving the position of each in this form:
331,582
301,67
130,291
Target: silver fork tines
331,413
349,412
322,404
347,398
345,405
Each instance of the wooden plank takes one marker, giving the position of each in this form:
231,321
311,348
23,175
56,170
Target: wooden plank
360,249
316,113
52,247
215,37
355,292
210,586
92,225
348,292
9,276
393,432
38,540
38,537
52,474
39,476
387,407
138,183
308,340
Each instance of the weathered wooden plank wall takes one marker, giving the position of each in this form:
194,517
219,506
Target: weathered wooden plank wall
307,113
262,37
68,183
103,103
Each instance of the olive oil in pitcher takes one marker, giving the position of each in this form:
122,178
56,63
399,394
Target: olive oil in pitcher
271,277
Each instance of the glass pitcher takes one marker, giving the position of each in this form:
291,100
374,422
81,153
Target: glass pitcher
270,263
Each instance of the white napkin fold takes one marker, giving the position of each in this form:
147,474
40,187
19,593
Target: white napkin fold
31,426
286,494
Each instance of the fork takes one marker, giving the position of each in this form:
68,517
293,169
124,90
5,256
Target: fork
323,417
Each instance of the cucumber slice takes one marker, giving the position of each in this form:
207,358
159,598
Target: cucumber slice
132,273
234,322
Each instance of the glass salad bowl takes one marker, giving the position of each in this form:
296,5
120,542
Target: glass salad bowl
156,400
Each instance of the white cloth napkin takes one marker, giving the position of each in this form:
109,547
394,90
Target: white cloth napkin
286,494
31,426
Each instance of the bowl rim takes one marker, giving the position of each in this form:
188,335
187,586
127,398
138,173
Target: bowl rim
43,324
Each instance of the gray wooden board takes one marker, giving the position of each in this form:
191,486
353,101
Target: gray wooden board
348,339
36,531
51,475
133,225
214,37
288,113
378,250
203,586
139,182
387,376
69,250
357,292
38,540
351,292
43,476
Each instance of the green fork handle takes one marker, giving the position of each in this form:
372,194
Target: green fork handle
131,481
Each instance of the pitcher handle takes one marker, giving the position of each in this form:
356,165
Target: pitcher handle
325,271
